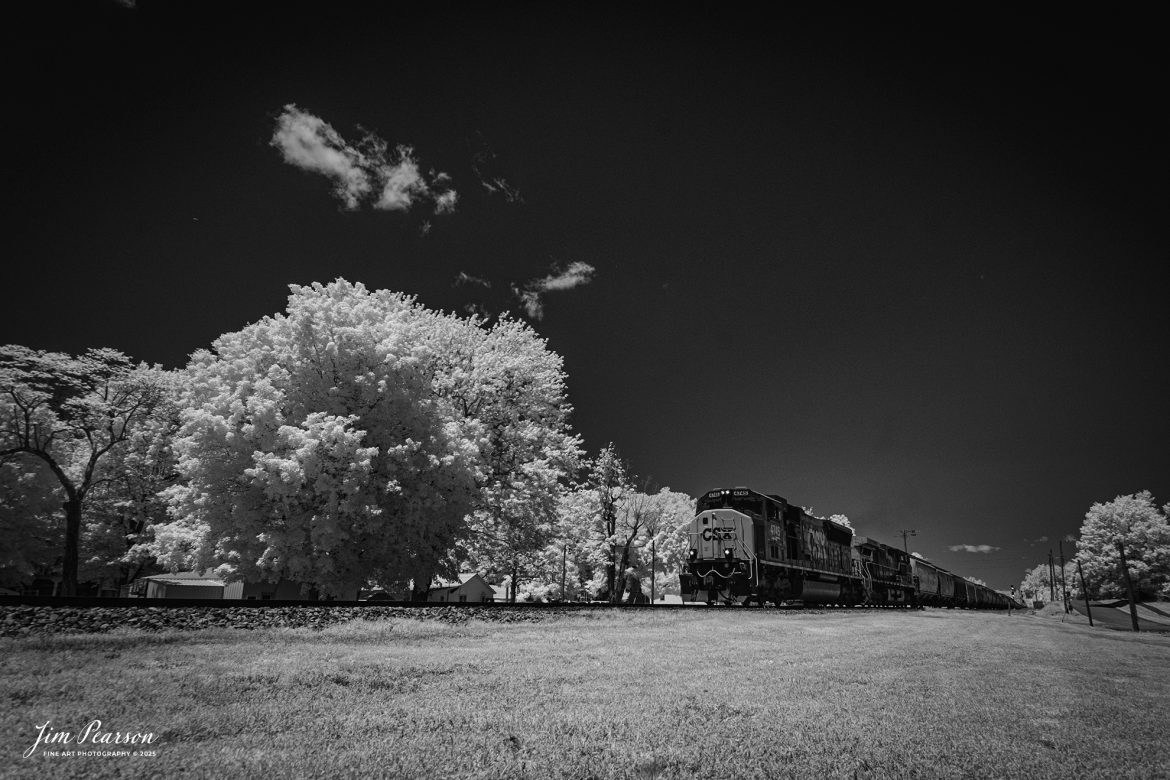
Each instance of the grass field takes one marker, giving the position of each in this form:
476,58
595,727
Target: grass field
705,694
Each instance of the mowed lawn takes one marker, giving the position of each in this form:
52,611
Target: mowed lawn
715,693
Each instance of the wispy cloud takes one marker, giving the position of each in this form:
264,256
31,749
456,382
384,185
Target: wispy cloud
577,274
445,202
361,172
973,548
531,296
483,164
499,185
466,278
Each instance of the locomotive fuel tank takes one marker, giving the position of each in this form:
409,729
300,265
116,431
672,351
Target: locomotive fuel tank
819,592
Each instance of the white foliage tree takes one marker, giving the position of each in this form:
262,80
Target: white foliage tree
507,379
317,446
611,533
667,545
31,533
72,416
127,503
1131,523
843,520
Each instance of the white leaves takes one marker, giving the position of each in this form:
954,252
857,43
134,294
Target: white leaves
1135,522
351,436
319,460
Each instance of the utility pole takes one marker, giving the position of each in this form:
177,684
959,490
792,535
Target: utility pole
1129,586
1051,578
1085,593
564,568
905,546
653,565
1063,584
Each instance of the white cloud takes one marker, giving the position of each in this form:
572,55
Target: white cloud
483,163
401,183
499,185
577,274
445,202
311,144
362,170
532,295
466,278
973,548
531,301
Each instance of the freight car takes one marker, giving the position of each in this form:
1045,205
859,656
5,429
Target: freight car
937,587
751,547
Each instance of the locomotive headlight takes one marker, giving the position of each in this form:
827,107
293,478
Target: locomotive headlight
694,553
728,553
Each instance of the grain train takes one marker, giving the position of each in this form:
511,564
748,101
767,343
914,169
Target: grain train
749,547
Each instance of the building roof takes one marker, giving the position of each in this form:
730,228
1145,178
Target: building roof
464,579
186,578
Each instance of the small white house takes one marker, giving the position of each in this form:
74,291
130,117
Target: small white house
193,585
470,587
185,585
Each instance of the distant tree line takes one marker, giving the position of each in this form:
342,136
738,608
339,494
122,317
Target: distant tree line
355,439
1129,528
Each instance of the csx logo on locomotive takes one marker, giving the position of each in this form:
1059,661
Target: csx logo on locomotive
715,534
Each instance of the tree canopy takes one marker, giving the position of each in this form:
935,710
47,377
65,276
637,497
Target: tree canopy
1131,523
70,416
349,438
355,438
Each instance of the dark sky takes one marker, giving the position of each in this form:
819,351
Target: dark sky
907,268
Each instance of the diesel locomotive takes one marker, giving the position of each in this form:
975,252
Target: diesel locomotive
749,547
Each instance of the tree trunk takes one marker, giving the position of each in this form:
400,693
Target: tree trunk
421,586
621,574
1128,586
72,535
611,573
1085,593
653,566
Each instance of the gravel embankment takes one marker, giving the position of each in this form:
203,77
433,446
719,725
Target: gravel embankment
40,620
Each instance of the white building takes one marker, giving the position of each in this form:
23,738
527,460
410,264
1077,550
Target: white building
470,588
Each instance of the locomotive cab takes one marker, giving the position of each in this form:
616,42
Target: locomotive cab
722,563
